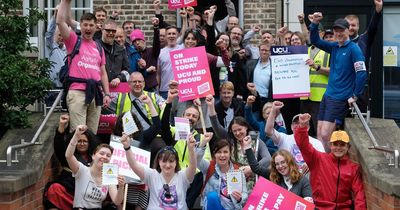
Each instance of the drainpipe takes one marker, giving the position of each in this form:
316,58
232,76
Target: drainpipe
241,13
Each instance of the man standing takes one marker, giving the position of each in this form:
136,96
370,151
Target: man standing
165,73
335,180
116,58
346,78
87,72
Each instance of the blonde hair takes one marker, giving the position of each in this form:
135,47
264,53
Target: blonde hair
227,85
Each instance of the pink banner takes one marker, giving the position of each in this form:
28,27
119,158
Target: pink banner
267,195
290,95
192,72
175,4
107,121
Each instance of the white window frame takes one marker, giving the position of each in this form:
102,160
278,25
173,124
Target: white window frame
38,40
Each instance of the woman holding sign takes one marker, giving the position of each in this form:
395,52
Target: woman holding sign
239,129
224,185
167,183
89,191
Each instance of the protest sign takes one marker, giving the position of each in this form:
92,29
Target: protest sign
191,70
234,181
129,124
182,128
119,158
267,195
290,73
107,121
176,4
109,174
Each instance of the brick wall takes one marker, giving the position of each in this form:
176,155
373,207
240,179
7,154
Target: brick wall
265,13
31,197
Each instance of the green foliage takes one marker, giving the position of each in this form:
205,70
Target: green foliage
22,80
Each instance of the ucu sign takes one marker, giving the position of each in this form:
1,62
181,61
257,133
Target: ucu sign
175,1
280,50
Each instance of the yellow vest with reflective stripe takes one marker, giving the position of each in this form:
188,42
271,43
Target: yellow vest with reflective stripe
318,81
183,153
124,104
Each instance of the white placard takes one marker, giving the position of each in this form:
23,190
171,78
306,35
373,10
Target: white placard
109,174
182,128
290,73
234,181
129,124
119,158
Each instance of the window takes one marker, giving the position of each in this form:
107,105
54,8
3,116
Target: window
78,8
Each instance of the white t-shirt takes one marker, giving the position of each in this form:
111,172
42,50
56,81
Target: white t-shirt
87,193
288,143
165,66
177,187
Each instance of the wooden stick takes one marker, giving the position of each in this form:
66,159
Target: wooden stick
203,124
125,194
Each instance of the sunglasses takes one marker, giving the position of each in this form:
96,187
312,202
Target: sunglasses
168,148
111,31
167,193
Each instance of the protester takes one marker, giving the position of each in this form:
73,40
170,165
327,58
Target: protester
336,180
166,182
237,130
87,72
59,194
89,190
347,76
215,194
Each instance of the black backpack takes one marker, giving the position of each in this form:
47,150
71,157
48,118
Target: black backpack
64,71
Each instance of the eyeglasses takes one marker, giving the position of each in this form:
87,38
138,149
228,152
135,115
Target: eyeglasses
136,81
111,31
167,193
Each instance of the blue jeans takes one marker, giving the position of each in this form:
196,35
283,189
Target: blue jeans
213,201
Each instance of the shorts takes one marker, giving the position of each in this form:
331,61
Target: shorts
332,110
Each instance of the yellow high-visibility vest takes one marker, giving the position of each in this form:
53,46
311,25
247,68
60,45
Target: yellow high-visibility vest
318,81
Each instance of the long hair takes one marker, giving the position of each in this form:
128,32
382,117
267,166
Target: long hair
118,129
242,122
93,142
294,172
168,153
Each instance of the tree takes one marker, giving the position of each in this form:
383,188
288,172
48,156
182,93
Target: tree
22,80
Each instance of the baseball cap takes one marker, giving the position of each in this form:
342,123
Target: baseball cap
137,34
341,23
340,136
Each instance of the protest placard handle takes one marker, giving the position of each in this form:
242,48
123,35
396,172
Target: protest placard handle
203,124
125,194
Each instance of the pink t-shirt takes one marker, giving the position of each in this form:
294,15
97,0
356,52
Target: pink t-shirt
86,64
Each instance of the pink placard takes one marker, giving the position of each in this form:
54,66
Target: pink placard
191,70
107,121
267,195
175,4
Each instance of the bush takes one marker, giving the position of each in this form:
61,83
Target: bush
22,80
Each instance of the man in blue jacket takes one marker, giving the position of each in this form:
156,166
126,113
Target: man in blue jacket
346,79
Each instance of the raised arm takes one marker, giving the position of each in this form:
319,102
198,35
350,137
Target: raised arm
117,195
69,153
150,133
314,34
308,152
191,169
303,27
59,140
63,14
251,158
219,131
269,127
165,127
135,166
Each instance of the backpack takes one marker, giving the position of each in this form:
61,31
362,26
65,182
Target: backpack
64,71
211,171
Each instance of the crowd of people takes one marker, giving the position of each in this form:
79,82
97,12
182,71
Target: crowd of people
295,143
